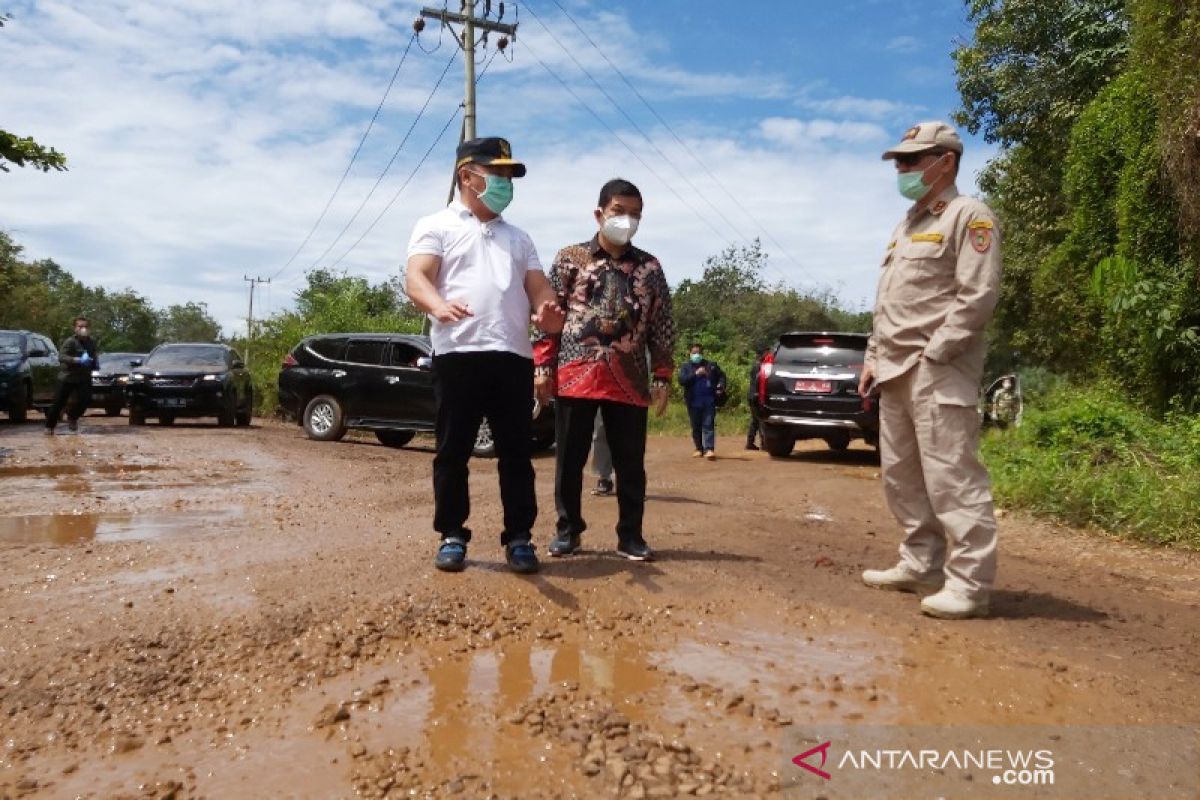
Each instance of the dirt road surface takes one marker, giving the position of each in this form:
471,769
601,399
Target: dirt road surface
224,613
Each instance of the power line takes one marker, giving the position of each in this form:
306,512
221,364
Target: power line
388,167
412,174
625,144
635,125
353,158
682,143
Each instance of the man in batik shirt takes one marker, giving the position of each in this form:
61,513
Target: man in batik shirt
618,311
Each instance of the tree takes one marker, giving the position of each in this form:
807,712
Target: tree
24,151
189,322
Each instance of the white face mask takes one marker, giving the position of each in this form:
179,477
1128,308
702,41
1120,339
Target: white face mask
619,230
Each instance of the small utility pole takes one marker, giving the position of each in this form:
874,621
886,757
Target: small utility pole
470,24
250,313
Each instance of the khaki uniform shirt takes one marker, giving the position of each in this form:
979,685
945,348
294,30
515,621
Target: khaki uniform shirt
938,287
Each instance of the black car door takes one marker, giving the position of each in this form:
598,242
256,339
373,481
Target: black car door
409,385
366,390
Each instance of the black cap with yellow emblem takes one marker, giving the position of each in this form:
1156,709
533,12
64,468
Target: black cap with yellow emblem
490,151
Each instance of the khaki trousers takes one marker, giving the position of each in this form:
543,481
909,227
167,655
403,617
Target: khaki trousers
933,480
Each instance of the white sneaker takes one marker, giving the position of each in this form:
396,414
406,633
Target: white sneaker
901,579
949,604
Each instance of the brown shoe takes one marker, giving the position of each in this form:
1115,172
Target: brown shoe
698,454
710,455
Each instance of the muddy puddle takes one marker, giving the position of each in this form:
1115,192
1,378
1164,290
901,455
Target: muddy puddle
67,529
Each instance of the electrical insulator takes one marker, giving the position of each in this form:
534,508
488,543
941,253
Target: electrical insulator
418,24
502,43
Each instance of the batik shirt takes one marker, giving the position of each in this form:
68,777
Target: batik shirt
618,313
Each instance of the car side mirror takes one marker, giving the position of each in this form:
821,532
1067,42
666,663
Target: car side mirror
425,362
239,364
137,362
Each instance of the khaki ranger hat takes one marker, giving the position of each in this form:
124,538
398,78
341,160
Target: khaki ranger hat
927,136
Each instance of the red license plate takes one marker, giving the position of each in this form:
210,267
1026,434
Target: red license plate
814,387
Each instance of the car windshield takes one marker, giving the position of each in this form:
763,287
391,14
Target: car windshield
10,345
828,351
187,358
117,360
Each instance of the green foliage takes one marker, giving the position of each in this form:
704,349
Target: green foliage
189,322
1090,458
25,152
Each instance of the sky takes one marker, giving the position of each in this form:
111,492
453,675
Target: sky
205,138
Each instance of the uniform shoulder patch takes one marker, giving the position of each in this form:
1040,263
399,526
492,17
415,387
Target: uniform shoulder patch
937,208
981,237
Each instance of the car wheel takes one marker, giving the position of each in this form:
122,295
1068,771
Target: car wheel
137,417
323,419
112,410
839,443
166,419
18,404
485,444
395,438
777,443
244,416
227,416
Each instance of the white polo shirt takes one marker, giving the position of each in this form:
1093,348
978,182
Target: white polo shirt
483,265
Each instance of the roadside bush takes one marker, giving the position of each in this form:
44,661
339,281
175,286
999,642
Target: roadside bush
1089,458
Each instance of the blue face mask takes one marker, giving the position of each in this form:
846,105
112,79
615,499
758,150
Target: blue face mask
912,185
697,358
497,192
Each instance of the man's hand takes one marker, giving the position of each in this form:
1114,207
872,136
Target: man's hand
543,389
660,393
866,381
701,370
449,311
550,317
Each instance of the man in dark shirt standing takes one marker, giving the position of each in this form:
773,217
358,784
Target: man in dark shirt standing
77,356
617,306
703,385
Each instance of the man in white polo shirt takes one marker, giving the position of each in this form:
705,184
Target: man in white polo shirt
477,277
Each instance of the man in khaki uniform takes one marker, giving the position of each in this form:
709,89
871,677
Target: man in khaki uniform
937,289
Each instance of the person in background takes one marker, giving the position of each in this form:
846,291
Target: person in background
754,432
77,357
602,466
703,385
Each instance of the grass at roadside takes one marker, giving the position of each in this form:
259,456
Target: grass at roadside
1089,458
730,422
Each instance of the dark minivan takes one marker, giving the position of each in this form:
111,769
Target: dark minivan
191,380
808,389
378,382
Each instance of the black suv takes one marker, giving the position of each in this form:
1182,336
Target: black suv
28,372
379,382
191,380
110,379
808,389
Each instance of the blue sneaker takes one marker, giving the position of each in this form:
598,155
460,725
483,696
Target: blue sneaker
635,551
521,558
564,545
452,555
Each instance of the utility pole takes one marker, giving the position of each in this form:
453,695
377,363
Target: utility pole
250,313
470,24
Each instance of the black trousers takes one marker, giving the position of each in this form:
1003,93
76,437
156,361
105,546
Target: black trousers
752,432
625,426
73,396
469,387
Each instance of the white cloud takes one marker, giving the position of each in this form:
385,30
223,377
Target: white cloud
204,137
904,44
850,107
820,132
